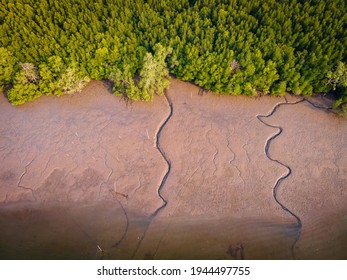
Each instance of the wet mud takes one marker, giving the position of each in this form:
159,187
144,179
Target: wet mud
191,175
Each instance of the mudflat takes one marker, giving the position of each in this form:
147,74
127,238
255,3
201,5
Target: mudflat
191,175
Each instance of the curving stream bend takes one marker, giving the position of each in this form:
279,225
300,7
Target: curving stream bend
163,181
289,171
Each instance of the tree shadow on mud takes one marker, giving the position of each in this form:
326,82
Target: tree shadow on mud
4,92
124,97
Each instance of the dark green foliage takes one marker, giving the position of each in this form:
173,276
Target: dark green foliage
7,63
338,79
279,88
228,46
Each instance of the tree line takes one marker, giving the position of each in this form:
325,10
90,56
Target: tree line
228,46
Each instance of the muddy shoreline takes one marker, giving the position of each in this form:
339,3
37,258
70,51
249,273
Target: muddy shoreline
187,176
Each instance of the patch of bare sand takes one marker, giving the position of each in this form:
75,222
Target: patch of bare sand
82,150
80,178
219,177
314,144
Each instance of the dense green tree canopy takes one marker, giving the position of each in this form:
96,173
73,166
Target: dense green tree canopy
228,46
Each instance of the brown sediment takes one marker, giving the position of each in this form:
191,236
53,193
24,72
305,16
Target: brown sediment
289,170
88,176
162,183
317,187
285,176
90,149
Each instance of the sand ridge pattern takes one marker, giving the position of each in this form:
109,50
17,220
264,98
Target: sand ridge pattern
87,176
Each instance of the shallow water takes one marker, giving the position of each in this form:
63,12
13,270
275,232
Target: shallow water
92,232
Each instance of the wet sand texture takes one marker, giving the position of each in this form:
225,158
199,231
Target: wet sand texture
187,176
